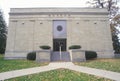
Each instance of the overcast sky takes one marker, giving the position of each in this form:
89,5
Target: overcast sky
5,5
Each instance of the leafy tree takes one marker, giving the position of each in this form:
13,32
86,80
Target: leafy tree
116,44
115,25
113,8
3,33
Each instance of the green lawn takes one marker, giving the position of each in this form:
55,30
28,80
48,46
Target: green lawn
106,64
8,65
60,75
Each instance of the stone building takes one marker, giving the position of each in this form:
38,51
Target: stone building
30,28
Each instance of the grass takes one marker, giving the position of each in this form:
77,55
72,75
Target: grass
60,75
105,64
8,65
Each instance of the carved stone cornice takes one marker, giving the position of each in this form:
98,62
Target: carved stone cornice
61,11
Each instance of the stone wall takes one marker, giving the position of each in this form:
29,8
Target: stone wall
117,55
77,55
43,56
30,28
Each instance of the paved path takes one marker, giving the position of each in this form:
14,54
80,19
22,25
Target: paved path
67,65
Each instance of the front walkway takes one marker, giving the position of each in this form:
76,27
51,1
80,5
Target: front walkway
67,65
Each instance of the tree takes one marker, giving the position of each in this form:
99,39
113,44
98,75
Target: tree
111,5
3,33
113,8
115,25
96,3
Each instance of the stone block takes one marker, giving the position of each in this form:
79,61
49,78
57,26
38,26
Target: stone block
105,54
43,56
117,55
16,54
77,55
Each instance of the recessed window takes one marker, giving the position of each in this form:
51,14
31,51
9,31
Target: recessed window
41,23
77,23
95,23
23,23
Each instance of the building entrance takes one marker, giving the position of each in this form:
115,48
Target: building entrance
59,43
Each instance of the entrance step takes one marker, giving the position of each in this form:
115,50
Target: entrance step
65,56
61,64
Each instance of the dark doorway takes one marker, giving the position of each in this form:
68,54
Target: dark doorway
59,42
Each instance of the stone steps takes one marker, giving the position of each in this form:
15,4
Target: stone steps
65,56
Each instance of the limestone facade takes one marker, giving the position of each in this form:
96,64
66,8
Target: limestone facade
30,28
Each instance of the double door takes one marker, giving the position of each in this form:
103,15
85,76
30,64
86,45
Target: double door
59,44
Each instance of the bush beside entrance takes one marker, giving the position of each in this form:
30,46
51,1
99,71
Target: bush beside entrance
90,54
45,47
31,56
75,47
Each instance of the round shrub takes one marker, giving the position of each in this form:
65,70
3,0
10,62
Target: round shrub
90,54
75,47
31,56
45,47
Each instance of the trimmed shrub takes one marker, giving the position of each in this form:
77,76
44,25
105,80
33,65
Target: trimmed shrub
31,56
90,54
75,47
45,47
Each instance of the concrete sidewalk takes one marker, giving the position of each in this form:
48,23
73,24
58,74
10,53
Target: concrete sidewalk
97,72
22,72
56,65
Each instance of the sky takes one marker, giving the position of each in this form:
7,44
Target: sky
5,5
